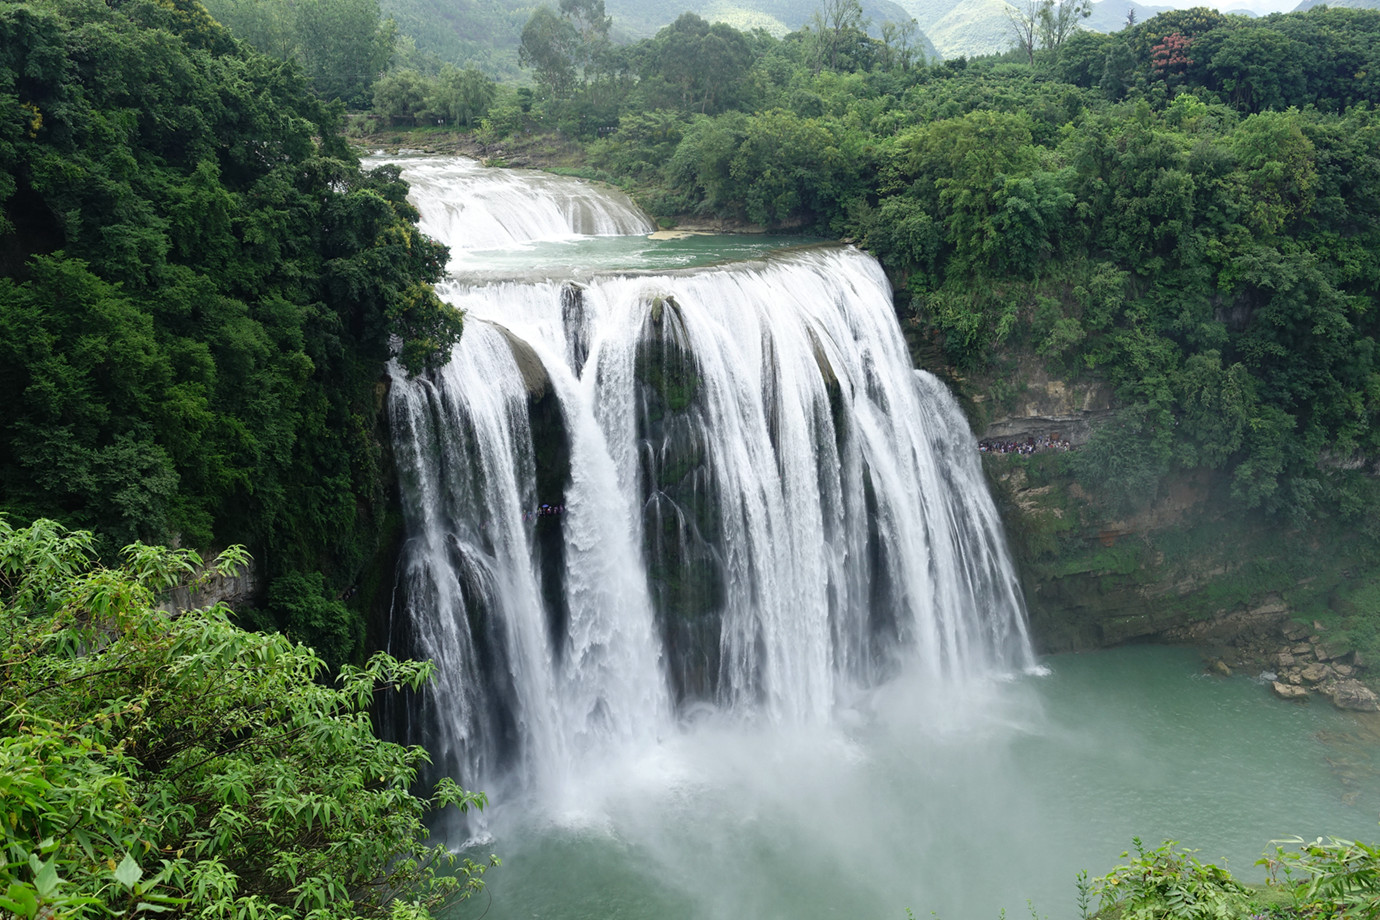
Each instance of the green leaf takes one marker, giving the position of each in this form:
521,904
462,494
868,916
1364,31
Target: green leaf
19,899
46,878
128,872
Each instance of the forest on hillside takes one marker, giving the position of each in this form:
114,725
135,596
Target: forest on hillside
199,289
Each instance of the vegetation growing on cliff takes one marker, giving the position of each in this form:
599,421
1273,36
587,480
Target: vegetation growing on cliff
173,764
199,289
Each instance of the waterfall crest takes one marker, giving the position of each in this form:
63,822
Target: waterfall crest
643,494
470,207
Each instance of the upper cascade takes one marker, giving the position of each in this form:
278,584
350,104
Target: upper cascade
471,207
724,486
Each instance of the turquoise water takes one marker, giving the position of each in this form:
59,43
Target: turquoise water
586,256
958,801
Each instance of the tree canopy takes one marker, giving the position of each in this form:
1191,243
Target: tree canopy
199,290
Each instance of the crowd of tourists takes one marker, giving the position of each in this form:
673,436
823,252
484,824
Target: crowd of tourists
1028,446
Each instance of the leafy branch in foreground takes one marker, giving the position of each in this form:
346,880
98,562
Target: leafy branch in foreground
1170,883
1327,878
1337,878
171,763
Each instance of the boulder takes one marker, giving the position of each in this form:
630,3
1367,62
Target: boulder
1289,692
1352,694
1220,667
1294,630
1331,650
1285,659
1314,674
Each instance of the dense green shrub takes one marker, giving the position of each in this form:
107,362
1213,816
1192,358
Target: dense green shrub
169,762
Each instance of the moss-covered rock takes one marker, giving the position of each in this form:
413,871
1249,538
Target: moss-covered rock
680,502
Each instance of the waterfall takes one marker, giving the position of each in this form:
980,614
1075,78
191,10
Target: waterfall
634,497
473,208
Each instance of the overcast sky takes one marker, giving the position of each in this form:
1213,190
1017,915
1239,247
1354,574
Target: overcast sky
1258,6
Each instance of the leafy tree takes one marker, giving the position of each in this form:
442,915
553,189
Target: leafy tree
1058,21
550,45
1023,19
838,34
343,46
1261,69
157,762
1083,58
700,65
401,95
462,97
902,44
588,18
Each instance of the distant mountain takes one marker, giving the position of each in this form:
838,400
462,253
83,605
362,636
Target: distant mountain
487,33
977,27
1110,15
642,18
1354,4
970,28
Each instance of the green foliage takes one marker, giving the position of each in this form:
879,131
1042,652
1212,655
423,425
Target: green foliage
1329,877
1167,883
342,46
1332,878
461,97
550,45
199,289
1125,460
156,762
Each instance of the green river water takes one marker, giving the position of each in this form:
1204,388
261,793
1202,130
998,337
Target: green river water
957,802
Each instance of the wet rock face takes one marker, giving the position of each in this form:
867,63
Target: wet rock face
1289,691
680,509
551,456
1184,569
1354,695
574,322
534,374
1041,405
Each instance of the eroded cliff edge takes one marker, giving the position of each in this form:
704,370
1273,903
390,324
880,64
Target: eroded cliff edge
1296,601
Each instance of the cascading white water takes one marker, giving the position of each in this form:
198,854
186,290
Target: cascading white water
470,207
754,503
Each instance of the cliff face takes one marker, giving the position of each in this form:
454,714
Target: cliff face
1296,601
1028,402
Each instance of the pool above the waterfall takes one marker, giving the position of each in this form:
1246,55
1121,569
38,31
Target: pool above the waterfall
961,801
593,255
